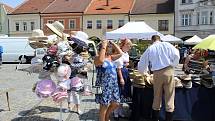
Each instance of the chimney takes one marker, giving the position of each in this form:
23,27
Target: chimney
107,2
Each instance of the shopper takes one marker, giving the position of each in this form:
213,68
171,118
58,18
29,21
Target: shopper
123,77
161,57
109,97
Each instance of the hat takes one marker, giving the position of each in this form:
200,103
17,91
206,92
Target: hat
139,79
52,50
56,28
78,62
59,95
64,71
186,84
149,80
80,38
76,82
178,83
38,39
50,61
77,85
45,87
37,35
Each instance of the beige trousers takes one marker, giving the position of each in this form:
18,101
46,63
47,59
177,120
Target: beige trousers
164,83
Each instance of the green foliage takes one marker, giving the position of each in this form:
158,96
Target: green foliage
142,45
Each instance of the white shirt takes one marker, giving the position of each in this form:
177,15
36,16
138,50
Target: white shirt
123,59
159,55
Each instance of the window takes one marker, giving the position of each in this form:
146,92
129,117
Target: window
198,18
186,19
190,1
121,23
72,24
98,24
25,26
89,24
17,26
50,21
61,21
183,1
32,25
186,1
211,17
0,27
109,24
163,25
204,17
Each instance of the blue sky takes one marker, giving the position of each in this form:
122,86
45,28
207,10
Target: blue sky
12,3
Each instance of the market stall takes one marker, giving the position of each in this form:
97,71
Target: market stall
171,39
193,40
196,104
131,30
192,96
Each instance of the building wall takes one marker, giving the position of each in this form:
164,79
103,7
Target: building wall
196,27
28,18
3,21
152,21
45,18
100,33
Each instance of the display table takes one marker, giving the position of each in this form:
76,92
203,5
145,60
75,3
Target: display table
196,104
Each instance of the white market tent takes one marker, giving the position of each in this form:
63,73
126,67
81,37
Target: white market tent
171,39
193,40
133,30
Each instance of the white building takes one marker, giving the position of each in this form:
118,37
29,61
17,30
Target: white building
27,17
194,17
4,10
23,24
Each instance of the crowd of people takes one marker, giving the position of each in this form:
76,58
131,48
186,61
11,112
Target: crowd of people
113,83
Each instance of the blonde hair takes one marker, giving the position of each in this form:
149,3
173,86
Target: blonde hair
123,42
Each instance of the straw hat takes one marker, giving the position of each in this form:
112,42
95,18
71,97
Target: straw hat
38,39
149,80
56,28
37,34
139,79
178,83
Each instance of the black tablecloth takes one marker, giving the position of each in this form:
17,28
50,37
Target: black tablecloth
195,104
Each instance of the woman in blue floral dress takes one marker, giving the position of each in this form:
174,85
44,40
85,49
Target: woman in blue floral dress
107,78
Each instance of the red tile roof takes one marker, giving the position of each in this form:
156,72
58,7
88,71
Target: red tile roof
114,6
153,6
61,6
8,8
32,6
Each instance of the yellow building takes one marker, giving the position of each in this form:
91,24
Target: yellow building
159,14
102,16
102,24
163,23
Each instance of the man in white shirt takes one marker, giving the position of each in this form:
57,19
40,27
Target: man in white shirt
161,57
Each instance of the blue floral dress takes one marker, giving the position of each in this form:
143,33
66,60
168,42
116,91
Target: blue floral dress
107,79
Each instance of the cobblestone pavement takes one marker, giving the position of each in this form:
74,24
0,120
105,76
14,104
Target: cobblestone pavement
25,106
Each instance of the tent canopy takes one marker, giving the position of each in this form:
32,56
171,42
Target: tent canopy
171,39
193,40
133,30
206,43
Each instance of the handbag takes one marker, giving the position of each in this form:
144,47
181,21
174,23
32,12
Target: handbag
97,88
